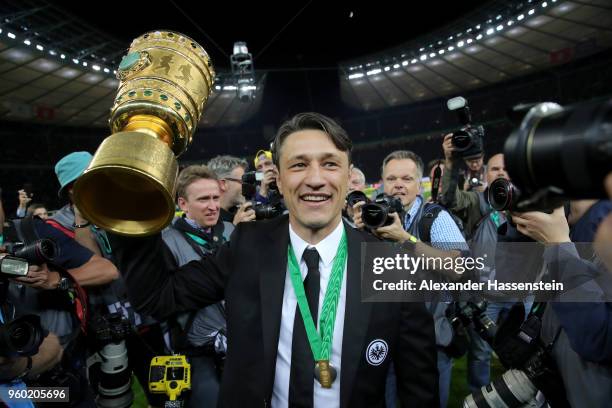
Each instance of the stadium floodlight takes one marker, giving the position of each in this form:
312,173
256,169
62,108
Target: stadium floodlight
106,70
39,47
479,37
450,48
396,66
11,35
433,54
531,12
404,63
499,27
96,67
243,72
469,41
52,52
441,52
387,69
414,61
27,42
76,61
231,87
352,76
63,56
84,63
509,23
460,44
374,72
544,4
490,31
520,17
423,57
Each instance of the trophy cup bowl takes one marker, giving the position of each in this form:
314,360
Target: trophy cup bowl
129,186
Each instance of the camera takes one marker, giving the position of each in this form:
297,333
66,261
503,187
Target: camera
468,140
529,363
250,181
558,154
170,375
473,313
21,336
376,214
112,375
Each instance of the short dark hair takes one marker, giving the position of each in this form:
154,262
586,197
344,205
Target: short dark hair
312,121
191,174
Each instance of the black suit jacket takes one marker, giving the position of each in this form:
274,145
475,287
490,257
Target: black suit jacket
249,273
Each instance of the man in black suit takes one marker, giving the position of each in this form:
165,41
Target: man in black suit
270,358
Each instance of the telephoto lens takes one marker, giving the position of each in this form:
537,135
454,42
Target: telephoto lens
114,375
512,390
560,153
37,252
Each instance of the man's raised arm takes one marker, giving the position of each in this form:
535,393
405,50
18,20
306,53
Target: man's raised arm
157,288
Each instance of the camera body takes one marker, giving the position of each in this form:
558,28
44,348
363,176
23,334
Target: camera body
250,181
377,213
170,375
467,140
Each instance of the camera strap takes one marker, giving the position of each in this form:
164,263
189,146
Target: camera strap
435,183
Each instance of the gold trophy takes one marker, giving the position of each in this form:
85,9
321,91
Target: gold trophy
129,187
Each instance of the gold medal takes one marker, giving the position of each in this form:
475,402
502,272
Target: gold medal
325,373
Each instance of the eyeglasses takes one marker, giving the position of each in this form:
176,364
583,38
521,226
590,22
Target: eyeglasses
233,179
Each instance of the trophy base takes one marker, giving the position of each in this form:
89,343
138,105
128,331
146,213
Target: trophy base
129,187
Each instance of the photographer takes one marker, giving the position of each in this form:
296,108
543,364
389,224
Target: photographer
196,235
86,248
230,170
402,172
587,383
24,199
357,180
264,164
37,210
475,173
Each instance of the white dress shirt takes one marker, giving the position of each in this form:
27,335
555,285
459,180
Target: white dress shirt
323,397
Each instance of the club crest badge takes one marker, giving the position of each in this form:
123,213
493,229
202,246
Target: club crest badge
377,352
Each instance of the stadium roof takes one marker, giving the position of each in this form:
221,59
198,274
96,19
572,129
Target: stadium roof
493,44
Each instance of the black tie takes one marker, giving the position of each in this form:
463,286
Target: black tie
302,361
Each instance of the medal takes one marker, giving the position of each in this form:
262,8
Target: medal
325,373
320,343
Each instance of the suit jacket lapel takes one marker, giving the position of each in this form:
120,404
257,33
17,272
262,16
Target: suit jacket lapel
273,267
356,317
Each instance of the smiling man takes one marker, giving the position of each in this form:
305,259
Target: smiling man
298,333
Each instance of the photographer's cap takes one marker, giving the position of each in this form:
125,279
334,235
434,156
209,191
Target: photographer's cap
267,153
70,168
